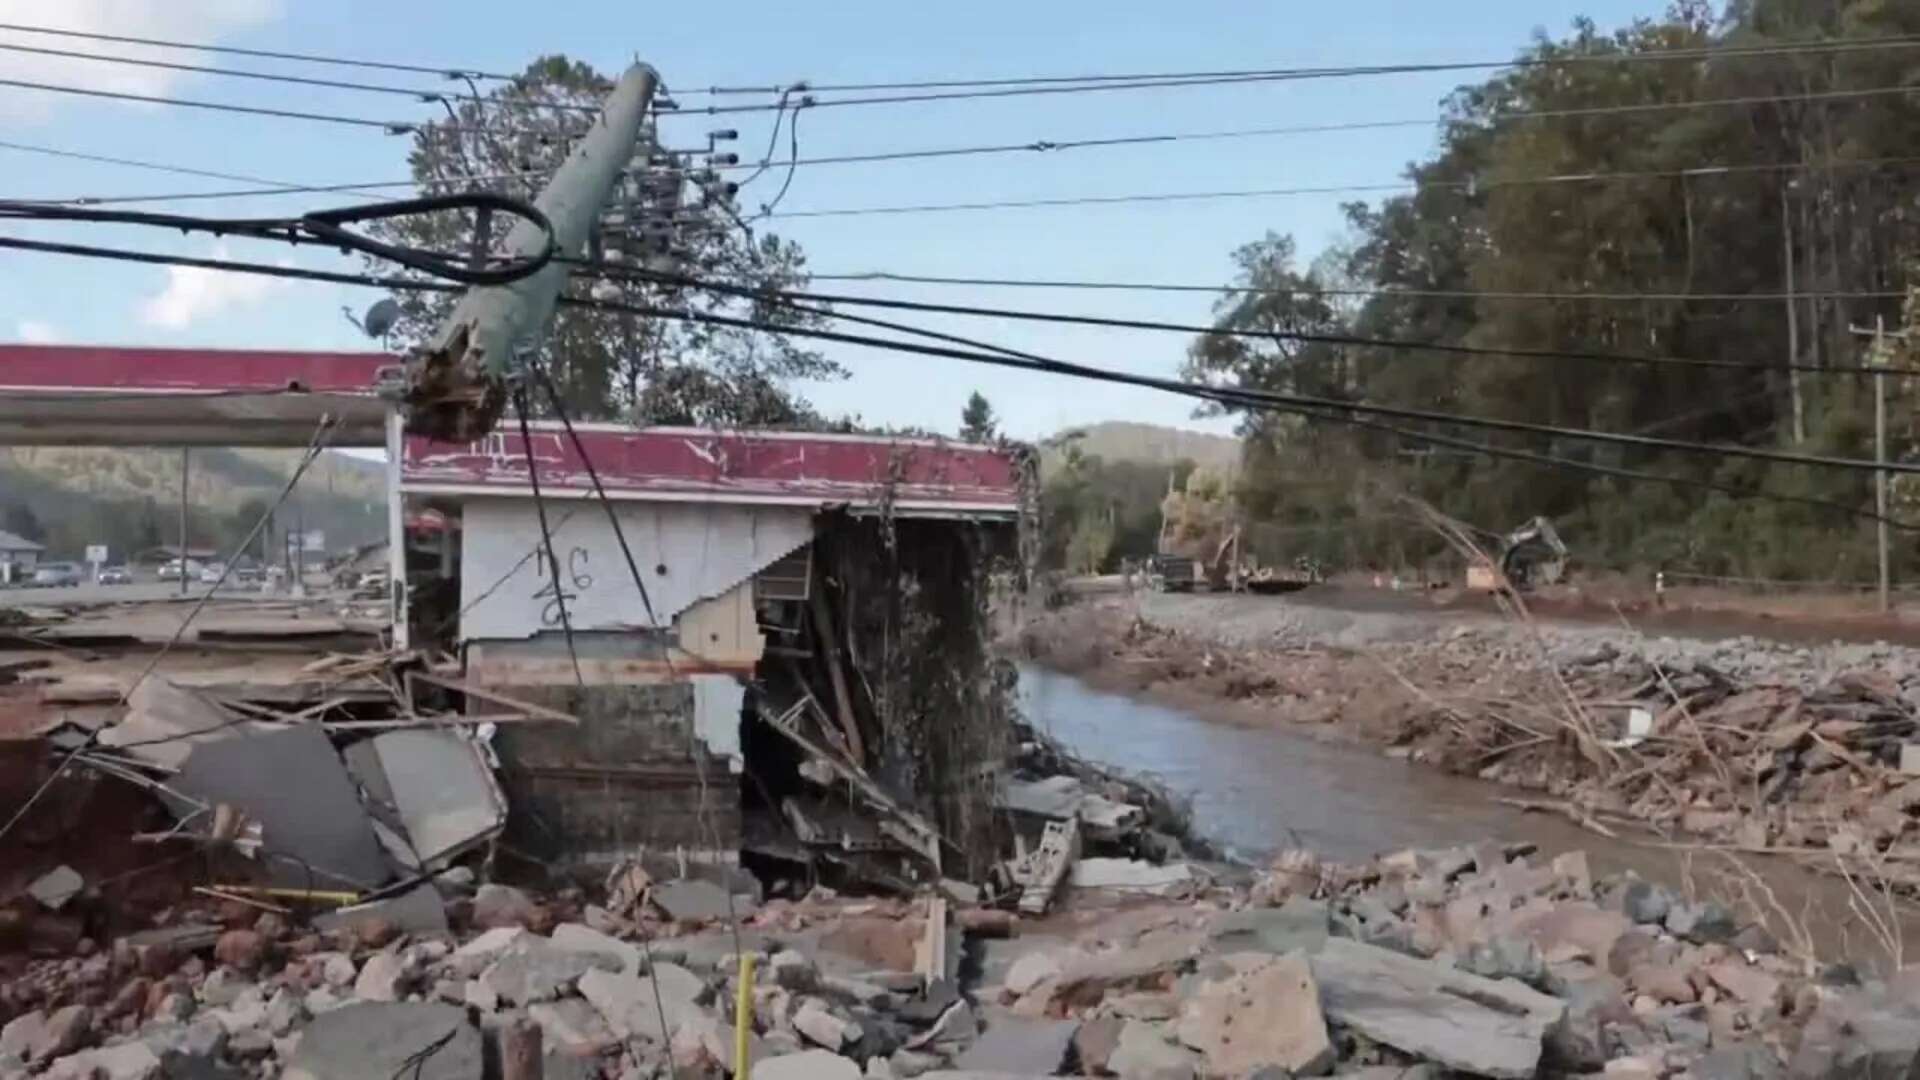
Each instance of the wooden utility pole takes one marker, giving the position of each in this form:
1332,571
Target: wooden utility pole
1793,326
1878,360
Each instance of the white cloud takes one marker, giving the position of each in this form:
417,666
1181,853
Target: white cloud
178,20
35,332
193,293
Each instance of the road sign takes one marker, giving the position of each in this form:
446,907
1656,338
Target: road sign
96,553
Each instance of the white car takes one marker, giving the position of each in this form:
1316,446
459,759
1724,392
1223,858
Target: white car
170,570
211,573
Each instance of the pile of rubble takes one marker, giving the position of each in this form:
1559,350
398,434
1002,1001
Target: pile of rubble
1474,961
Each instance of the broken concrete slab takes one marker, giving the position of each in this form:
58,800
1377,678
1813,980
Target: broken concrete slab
473,957
1462,1021
629,1003
381,977
1144,1052
695,900
166,722
822,1027
418,1041
1030,970
533,970
57,886
1268,1016
292,782
125,1061
604,949
1017,1044
574,1027
419,910
807,1065
1132,875
1298,924
444,790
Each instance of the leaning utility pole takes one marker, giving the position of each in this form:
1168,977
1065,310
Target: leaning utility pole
456,386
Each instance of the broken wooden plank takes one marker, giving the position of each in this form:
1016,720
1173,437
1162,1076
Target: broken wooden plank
930,957
842,694
492,697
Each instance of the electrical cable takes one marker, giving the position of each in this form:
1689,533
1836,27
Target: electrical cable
1229,396
1468,186
1416,294
968,95
1267,397
89,251
391,127
328,227
132,163
263,54
1705,53
638,274
793,163
546,535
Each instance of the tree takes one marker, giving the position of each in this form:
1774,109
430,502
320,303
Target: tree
24,523
610,364
977,422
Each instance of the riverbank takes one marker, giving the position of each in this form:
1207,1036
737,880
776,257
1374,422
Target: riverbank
1740,744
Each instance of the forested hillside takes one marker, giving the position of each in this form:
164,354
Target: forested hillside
1575,208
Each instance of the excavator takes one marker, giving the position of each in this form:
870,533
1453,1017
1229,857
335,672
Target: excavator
1532,555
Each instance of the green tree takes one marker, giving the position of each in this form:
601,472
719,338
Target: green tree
611,364
977,422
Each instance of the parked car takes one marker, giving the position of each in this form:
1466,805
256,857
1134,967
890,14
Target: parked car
56,574
115,575
170,570
211,573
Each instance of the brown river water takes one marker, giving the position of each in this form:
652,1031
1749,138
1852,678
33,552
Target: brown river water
1255,791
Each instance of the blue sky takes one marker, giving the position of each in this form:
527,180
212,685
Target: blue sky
756,42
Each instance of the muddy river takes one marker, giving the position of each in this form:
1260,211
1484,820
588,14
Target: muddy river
1258,790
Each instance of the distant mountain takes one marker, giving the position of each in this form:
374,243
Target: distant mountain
130,499
1151,444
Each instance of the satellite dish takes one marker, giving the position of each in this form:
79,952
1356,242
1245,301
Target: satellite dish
380,318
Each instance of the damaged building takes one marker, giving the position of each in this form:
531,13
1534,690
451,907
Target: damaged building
800,676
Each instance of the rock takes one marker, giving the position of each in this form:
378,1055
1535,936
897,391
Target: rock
285,1011
1505,956
478,994
955,1025
1143,1052
241,950
1148,961
704,1036
1634,1068
1702,923
534,970
57,886
188,1051
404,1039
473,957
1094,1043
336,969
791,969
574,1027
1646,903
381,977
497,907
1030,971
1740,1061
21,1033
1435,1013
65,1031
627,1002
1553,927
872,995
1143,1006
1019,1045
1664,983
1298,924
1746,983
1849,1039
222,987
1268,1016
1595,1005
125,1061
908,1064
605,951
694,900
818,1023
807,1065
1571,867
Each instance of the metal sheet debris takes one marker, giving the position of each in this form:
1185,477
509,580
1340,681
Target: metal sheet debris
446,796
314,830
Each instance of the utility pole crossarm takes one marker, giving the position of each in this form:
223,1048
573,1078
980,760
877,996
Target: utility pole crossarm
456,386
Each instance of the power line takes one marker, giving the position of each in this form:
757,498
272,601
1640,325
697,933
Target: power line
1708,53
1469,186
391,127
635,274
1266,397
232,50
88,251
131,163
1245,397
1389,291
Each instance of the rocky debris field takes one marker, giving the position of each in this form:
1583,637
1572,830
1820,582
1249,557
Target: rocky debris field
1474,961
1807,752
